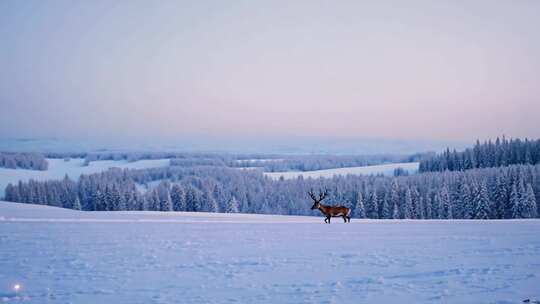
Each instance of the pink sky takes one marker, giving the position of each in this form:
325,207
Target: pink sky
421,69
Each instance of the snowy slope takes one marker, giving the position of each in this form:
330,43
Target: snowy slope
64,256
58,168
386,169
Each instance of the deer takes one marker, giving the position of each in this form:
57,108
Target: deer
329,211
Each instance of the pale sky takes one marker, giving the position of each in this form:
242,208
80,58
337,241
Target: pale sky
446,70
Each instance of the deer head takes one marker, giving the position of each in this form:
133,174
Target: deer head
317,201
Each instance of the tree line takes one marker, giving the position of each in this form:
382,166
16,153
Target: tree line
32,161
488,193
321,162
488,154
267,162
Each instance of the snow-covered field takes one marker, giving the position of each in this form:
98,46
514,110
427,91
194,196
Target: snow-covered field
386,169
58,168
64,256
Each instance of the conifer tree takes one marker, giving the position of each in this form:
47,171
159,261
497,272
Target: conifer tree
407,204
482,203
467,206
515,202
373,206
528,202
178,198
446,212
427,207
395,212
502,202
359,210
232,206
385,210
77,204
394,200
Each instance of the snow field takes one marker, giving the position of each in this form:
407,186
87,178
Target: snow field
65,256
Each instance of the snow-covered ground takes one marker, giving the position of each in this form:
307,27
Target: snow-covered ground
58,168
64,256
386,169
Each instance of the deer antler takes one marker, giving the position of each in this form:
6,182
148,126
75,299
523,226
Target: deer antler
323,195
313,197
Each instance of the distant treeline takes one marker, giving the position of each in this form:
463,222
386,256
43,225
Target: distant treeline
268,163
32,161
491,193
136,156
201,161
489,154
180,158
321,162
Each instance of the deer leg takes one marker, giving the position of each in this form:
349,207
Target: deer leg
328,219
345,218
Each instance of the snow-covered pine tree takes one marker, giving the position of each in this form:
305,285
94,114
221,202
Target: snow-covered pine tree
221,199
394,200
193,201
114,200
502,202
407,204
76,204
210,204
528,203
372,207
100,200
108,203
395,212
427,207
446,207
232,206
153,201
264,209
165,202
415,206
8,193
420,212
467,207
515,202
359,210
142,203
437,206
384,209
482,203
130,201
178,198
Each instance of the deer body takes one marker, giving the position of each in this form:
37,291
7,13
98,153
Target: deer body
335,211
330,211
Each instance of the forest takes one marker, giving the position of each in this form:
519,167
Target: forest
33,161
206,184
488,154
267,162
491,193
